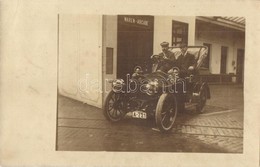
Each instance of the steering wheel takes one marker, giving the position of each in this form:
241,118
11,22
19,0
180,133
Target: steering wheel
161,73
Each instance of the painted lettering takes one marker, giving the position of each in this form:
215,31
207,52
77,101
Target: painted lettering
129,19
142,22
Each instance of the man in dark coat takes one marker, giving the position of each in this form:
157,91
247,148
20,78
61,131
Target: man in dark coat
185,62
165,59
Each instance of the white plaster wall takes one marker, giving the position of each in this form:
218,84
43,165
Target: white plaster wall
217,39
163,30
109,40
80,58
68,54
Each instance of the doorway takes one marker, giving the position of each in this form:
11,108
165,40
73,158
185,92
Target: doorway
223,65
135,43
240,65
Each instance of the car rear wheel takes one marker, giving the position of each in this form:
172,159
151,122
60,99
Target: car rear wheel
166,112
113,107
202,100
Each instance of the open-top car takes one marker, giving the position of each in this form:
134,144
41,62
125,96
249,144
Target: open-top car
160,95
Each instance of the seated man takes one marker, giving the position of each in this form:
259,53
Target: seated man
165,59
185,62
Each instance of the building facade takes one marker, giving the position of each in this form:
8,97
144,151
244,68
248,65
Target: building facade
95,49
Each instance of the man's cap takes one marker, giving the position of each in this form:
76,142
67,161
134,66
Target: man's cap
183,45
164,44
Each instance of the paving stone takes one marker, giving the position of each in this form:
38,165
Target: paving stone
83,127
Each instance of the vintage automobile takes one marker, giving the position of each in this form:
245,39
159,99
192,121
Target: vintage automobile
158,94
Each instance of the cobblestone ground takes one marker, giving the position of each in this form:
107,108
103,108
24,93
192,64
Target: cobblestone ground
219,129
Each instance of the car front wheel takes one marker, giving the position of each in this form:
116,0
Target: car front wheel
166,112
113,107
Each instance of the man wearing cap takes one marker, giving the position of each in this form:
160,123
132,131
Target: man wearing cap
165,59
186,61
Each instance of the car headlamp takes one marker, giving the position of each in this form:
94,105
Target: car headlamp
117,85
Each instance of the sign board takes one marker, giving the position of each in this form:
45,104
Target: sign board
145,22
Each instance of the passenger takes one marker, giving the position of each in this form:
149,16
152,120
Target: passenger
165,59
185,62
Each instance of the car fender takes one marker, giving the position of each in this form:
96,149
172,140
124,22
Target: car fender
199,86
204,85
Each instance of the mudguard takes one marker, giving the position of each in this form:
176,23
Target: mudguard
204,85
199,86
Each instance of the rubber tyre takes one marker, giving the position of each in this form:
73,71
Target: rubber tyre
113,102
166,107
202,101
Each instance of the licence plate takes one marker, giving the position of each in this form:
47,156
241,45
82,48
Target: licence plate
139,114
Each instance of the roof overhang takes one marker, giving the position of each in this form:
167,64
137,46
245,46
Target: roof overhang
237,23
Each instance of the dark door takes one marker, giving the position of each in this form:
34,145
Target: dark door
240,65
223,67
135,43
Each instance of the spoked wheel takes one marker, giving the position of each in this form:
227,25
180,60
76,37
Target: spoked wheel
166,112
113,107
202,101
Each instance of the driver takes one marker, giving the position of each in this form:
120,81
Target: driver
165,59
